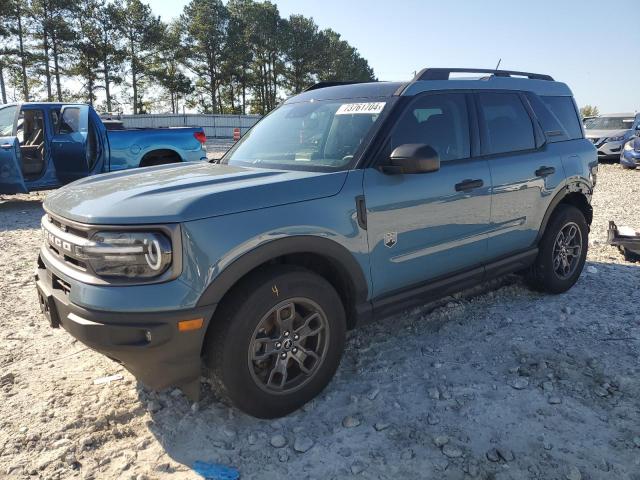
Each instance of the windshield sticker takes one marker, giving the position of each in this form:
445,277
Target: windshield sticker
361,108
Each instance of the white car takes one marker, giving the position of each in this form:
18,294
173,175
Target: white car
610,132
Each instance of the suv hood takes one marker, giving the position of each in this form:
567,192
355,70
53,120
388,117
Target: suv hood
605,133
183,192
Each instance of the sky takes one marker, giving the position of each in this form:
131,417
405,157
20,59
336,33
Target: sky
591,45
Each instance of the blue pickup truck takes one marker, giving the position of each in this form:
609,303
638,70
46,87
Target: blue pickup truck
46,145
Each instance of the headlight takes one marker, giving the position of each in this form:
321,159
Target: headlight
628,146
128,254
616,139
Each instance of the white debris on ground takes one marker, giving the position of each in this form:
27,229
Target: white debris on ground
507,384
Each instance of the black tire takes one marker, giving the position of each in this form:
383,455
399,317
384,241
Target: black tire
628,167
231,340
542,275
630,256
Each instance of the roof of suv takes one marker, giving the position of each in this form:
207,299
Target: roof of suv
438,79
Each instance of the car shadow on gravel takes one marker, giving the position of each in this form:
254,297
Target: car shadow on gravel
472,367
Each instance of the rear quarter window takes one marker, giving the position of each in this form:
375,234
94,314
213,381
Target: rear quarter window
565,112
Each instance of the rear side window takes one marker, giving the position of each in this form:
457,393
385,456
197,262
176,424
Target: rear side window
508,127
438,120
551,126
565,111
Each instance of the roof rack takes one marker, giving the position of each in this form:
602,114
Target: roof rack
444,73
327,84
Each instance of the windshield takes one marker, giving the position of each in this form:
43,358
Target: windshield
609,123
308,135
7,116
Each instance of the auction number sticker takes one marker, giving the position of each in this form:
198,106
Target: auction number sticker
364,108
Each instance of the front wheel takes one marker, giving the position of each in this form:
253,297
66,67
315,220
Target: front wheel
562,251
276,341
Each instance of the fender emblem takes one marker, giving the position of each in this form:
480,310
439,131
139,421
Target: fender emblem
390,239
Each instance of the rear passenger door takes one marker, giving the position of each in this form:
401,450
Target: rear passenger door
429,225
524,172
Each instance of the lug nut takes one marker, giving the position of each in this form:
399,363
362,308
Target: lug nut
283,355
296,336
286,334
294,350
278,345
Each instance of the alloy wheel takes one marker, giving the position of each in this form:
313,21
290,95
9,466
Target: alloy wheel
288,345
566,250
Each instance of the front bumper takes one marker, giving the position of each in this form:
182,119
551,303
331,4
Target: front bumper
149,345
610,149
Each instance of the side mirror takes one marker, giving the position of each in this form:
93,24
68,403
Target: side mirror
412,158
638,129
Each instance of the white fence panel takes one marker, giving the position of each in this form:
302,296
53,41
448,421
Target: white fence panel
215,126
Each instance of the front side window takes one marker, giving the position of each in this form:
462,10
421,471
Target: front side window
438,120
507,123
308,135
7,117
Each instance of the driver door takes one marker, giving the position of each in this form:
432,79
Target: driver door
69,143
11,178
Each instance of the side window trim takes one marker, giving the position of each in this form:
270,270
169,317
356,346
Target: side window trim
484,131
538,133
474,148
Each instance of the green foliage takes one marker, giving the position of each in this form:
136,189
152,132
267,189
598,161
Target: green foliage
206,23
240,56
589,111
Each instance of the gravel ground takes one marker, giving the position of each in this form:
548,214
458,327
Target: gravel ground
499,383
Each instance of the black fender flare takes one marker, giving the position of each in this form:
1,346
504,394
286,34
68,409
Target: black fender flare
332,251
574,187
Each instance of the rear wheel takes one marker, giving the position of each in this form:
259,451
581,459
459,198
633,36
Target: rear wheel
276,342
562,251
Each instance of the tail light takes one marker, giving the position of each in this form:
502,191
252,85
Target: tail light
201,137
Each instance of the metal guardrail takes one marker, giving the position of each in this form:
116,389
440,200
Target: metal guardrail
215,126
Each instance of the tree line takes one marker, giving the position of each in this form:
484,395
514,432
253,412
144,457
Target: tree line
235,57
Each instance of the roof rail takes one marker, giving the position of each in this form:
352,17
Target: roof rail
444,73
327,84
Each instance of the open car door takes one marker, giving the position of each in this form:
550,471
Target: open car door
11,178
69,143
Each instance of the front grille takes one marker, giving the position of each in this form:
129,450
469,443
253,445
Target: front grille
62,241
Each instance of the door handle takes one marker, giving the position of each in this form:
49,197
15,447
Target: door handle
6,146
466,185
545,171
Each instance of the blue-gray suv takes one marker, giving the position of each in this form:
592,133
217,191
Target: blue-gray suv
347,202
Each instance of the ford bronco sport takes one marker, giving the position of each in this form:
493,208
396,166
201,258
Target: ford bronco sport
347,202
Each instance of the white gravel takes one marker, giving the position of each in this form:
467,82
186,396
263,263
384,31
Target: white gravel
504,384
